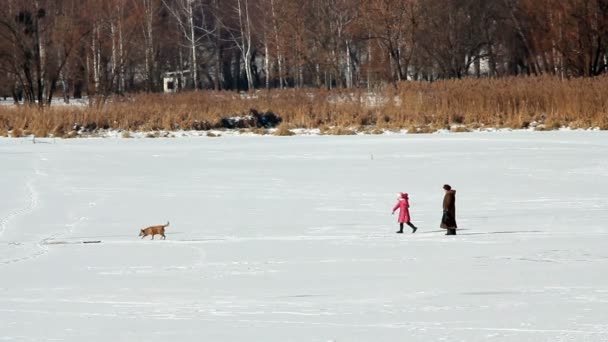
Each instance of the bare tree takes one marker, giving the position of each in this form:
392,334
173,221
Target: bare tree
42,36
193,30
239,27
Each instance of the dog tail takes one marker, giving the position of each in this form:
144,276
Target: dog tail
167,225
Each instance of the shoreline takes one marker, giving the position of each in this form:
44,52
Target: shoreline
297,132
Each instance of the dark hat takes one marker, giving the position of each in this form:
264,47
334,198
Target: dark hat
447,187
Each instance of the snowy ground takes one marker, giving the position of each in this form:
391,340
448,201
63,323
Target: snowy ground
291,239
57,101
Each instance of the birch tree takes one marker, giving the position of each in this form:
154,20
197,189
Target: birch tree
193,30
242,36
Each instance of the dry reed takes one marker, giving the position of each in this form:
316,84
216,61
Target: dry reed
283,130
420,106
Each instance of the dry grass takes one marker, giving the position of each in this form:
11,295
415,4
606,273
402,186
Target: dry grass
283,130
425,129
477,125
259,131
554,124
460,129
70,135
337,131
17,133
420,106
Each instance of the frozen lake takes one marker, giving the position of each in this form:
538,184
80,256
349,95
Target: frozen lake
291,239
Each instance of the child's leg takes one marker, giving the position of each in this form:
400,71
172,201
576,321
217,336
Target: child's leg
400,227
414,228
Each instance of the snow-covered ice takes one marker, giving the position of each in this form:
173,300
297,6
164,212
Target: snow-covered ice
291,239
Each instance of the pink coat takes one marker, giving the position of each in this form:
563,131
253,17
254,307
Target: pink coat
404,212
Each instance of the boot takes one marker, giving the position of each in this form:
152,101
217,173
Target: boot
414,229
399,231
451,231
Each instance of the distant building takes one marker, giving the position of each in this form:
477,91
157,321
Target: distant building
174,81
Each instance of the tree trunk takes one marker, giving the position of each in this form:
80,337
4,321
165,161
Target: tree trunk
194,65
277,44
348,65
266,63
149,43
121,54
40,55
369,62
246,44
114,64
96,57
218,50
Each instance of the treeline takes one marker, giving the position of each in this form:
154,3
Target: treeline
105,47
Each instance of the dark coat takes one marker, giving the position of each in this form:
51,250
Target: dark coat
448,220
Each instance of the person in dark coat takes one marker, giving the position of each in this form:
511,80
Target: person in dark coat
448,220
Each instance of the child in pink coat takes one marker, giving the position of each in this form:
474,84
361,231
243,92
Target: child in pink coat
403,205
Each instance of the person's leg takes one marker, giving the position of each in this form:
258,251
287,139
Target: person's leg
451,231
400,228
414,228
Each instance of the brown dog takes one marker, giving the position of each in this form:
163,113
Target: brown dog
153,230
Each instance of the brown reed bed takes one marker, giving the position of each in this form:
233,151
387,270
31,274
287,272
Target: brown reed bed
420,107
